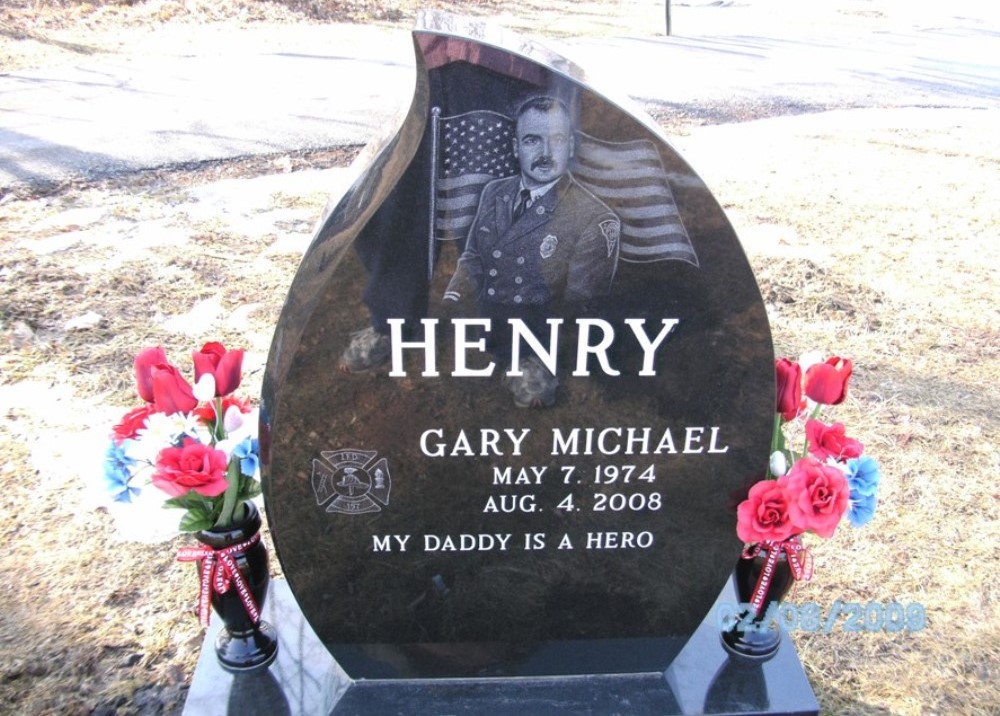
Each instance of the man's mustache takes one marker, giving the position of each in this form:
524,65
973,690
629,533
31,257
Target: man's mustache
543,162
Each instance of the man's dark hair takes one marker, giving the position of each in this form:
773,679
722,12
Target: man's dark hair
542,103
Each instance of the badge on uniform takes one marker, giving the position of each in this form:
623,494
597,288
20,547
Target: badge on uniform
548,246
612,230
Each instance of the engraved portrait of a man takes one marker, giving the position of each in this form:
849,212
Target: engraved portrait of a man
540,242
538,237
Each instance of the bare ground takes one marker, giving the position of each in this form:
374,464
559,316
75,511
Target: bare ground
872,233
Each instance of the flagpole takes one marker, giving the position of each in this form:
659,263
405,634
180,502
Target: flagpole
435,118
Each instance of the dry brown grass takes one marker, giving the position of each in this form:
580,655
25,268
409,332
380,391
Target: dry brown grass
867,232
873,234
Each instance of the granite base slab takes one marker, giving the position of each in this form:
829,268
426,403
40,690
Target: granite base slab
305,680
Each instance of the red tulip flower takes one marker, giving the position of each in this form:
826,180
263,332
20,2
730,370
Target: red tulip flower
789,387
831,441
206,411
144,362
225,366
171,393
826,383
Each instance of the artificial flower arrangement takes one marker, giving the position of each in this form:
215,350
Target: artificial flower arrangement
195,448
189,447
812,488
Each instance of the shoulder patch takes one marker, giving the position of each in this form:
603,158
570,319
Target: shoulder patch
611,230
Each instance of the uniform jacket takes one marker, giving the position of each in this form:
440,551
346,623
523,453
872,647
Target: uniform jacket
564,248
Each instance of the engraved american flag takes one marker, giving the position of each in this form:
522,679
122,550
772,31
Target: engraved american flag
473,149
629,177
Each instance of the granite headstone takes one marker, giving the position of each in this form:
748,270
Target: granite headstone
503,432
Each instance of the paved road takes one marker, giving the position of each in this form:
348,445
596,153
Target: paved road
313,87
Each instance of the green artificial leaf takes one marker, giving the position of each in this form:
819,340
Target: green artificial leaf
190,500
196,520
199,516
249,488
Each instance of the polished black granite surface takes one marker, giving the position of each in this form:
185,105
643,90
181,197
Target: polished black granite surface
428,525
305,681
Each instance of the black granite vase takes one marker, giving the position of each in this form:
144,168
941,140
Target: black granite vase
757,636
244,644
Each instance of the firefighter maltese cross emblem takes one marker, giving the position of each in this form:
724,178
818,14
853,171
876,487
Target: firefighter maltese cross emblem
352,481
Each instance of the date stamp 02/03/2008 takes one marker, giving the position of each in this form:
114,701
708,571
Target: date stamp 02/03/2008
891,617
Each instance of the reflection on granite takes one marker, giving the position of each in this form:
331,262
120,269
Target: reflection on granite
707,679
250,692
737,686
305,681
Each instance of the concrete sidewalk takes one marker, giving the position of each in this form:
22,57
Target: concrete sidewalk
305,87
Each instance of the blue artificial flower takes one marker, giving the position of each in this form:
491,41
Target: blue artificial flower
118,472
861,508
863,476
248,453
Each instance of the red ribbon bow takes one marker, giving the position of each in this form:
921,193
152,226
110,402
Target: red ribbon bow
799,560
219,571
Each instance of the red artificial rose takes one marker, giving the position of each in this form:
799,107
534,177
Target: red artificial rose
144,363
193,466
826,383
830,441
789,387
764,515
171,393
818,496
128,427
225,366
206,411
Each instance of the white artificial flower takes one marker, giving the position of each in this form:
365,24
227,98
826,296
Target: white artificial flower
163,429
196,428
232,420
226,445
204,389
247,427
779,464
160,431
